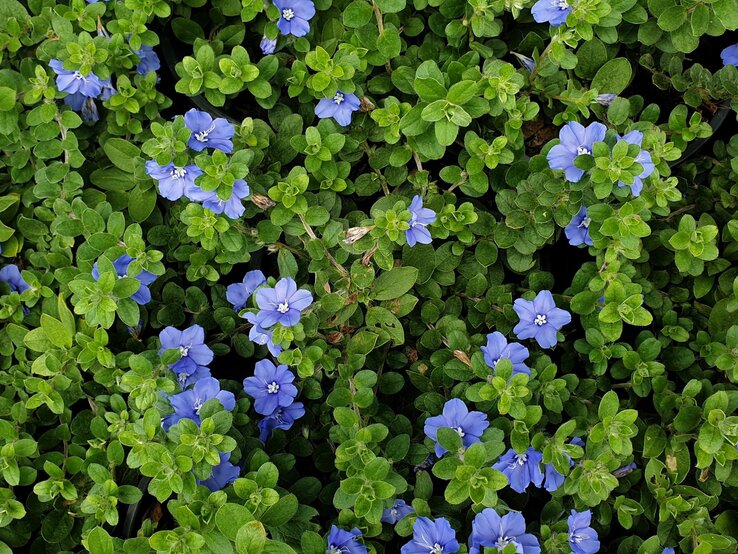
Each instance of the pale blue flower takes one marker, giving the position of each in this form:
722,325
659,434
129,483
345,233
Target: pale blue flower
554,12
574,140
340,107
294,16
540,319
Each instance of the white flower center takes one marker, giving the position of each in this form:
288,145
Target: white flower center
540,320
273,387
436,549
288,14
581,150
283,308
585,222
178,172
520,459
182,378
502,542
338,98
335,550
460,431
184,350
575,537
202,136
561,4
197,405
79,76
393,512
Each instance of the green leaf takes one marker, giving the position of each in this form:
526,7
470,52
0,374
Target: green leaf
99,542
251,538
357,14
394,283
56,332
122,153
613,77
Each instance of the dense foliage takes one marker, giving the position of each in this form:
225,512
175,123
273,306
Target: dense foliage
368,276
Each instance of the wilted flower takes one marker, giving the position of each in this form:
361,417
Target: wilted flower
143,295
239,293
521,469
355,233
525,61
456,416
436,537
575,140
268,45
11,275
398,511
340,107
282,304
208,132
729,55
578,229
282,418
294,16
83,105
498,348
223,474
625,470
345,542
540,319
582,538
605,99
187,404
191,346
554,12
643,158
491,530
420,218
173,180
271,387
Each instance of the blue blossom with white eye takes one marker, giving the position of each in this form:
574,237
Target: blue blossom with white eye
553,12
729,55
489,530
643,158
239,293
271,387
540,319
420,218
185,380
432,537
456,416
187,404
222,475
11,275
282,418
582,538
498,348
521,469
396,512
207,132
340,107
232,207
574,140
143,295
578,229
341,541
268,45
191,346
283,304
294,16
72,81
173,181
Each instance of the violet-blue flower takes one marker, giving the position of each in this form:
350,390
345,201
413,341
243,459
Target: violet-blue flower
575,140
143,295
540,319
340,107
578,229
72,81
282,418
625,470
173,180
260,335
187,379
187,404
207,132
271,387
11,275
668,550
643,158
341,541
456,416
554,479
282,304
191,346
147,60
83,105
294,16
420,218
582,538
498,348
432,537
554,12
239,293
223,474
491,530
521,469
729,55
268,45
233,207
396,512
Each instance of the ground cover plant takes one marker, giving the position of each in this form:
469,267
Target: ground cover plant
369,276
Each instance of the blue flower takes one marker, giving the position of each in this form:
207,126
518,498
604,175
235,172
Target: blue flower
223,474
268,45
491,530
84,105
108,89
554,479
668,550
625,470
340,107
605,99
207,132
525,61
498,348
398,511
187,404
456,416
143,295
575,140
420,218
271,387
282,418
521,469
233,207
345,542
73,81
147,60
173,180
554,12
11,275
643,158
729,55
282,304
187,379
294,16
259,335
540,319
239,293
191,346
578,229
432,537
582,538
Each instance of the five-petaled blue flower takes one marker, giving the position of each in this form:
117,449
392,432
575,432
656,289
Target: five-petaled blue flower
729,55
147,60
294,16
489,530
11,275
268,45
191,346
207,132
575,140
340,107
239,293
578,229
420,218
345,542
173,181
643,158
540,319
498,348
223,474
521,469
554,479
233,207
432,537
271,387
398,511
282,304
554,12
72,81
582,538
260,335
456,416
143,295
282,418
187,404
